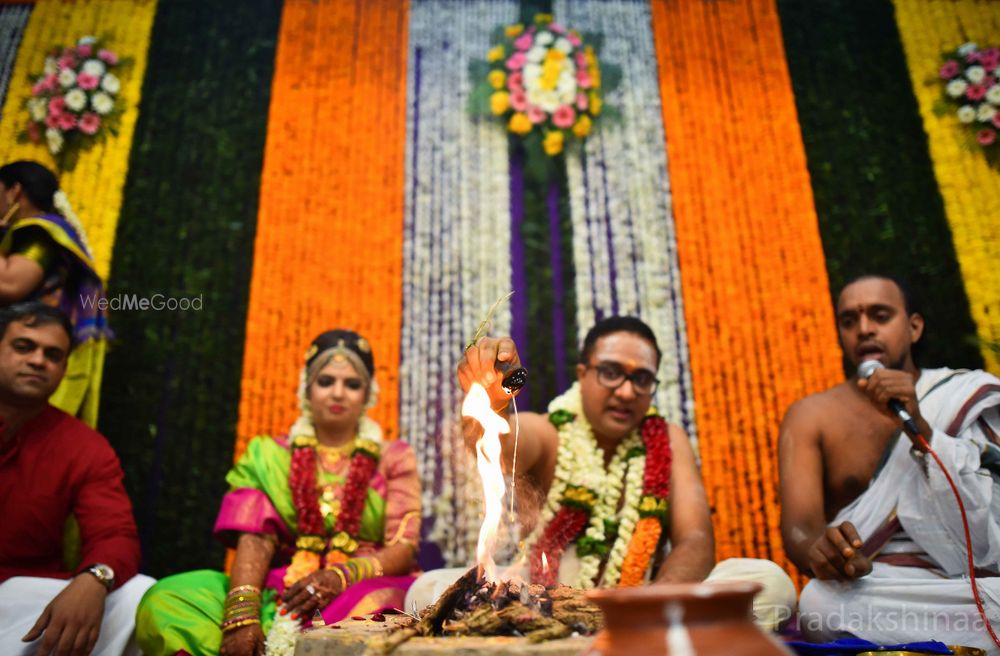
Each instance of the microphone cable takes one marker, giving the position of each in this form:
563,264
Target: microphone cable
922,441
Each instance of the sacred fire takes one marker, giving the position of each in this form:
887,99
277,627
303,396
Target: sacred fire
480,603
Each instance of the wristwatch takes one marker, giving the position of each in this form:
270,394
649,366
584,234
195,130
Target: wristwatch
104,574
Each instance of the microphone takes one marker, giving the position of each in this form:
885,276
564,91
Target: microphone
865,370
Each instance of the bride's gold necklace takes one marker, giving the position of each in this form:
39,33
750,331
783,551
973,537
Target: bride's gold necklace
328,458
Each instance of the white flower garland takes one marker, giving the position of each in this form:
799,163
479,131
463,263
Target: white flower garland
581,462
13,19
61,202
622,189
282,636
455,253
609,497
627,520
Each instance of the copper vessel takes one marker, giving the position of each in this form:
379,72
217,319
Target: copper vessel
682,619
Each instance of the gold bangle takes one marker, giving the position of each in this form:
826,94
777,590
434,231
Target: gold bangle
377,564
364,568
353,570
340,573
244,588
236,625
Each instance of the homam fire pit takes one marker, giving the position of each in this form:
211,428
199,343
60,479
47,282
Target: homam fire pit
352,638
473,617
473,607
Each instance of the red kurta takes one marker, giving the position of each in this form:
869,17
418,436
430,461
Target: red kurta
58,465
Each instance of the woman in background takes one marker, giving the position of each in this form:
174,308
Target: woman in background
44,256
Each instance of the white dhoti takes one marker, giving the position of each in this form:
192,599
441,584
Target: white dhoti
772,605
896,604
22,600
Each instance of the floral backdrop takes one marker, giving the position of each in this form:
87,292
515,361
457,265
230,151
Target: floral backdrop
746,158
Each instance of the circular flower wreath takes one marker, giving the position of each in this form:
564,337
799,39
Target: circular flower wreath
75,100
544,81
970,75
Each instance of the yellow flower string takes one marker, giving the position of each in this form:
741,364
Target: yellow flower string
969,187
95,186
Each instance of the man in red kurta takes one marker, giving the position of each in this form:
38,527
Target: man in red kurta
52,466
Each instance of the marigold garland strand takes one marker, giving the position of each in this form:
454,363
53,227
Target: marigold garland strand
330,226
970,188
95,186
755,287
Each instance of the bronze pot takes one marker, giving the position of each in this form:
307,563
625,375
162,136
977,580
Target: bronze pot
682,619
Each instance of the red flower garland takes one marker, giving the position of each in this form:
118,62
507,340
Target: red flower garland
343,542
302,482
656,439
355,490
565,527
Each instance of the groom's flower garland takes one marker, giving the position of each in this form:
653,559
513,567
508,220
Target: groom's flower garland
585,494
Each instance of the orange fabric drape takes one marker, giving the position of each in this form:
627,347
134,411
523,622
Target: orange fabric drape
756,295
330,227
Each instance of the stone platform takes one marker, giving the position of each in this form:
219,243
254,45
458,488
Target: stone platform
351,637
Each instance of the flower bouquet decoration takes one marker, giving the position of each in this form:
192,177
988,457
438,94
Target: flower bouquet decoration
545,83
75,101
970,76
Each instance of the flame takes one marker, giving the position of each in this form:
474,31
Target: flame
477,406
545,564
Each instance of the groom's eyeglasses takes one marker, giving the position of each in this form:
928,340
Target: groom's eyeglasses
612,376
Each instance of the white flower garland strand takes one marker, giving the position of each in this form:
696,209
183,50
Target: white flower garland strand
281,638
456,252
61,202
612,484
623,190
568,453
13,20
581,462
627,520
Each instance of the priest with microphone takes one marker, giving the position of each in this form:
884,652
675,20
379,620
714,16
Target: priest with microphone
867,508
